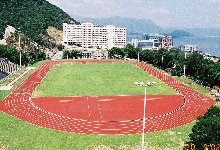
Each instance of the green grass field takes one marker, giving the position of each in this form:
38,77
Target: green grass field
97,79
19,135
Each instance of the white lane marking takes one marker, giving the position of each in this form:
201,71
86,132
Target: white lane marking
111,129
106,100
88,107
151,99
65,101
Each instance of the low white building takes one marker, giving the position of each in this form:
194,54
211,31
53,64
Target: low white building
210,57
88,36
151,44
154,42
189,48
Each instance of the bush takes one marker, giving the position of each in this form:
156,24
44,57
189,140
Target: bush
207,129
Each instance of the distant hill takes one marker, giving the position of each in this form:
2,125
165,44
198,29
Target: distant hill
134,26
33,17
180,33
205,31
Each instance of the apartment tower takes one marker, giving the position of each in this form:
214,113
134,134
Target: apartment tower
87,36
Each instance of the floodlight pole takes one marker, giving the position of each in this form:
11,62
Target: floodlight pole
145,104
184,67
19,45
20,49
144,117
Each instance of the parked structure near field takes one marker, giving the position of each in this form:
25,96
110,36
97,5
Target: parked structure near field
8,67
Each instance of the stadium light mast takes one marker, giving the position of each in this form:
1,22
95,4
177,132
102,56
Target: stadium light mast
19,45
145,103
138,55
184,67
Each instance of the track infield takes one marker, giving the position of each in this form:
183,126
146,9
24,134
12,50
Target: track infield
105,115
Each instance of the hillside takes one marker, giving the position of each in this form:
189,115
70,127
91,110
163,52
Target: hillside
55,34
132,25
33,17
180,33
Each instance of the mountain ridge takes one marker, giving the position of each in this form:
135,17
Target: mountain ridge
147,26
132,25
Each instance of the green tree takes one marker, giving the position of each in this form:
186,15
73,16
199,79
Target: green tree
207,129
131,52
72,54
60,47
33,17
146,37
28,57
193,62
116,52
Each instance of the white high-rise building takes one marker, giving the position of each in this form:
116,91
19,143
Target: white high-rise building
87,36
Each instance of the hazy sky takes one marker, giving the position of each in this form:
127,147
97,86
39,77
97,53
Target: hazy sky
165,13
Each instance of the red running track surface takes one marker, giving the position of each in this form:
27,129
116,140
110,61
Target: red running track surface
101,117
109,108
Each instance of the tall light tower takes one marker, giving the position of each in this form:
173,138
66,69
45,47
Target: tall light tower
184,67
19,44
145,103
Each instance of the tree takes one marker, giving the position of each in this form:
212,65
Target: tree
146,37
204,71
131,52
71,54
33,17
66,54
60,47
207,129
28,57
193,62
116,53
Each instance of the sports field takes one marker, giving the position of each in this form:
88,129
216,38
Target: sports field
17,134
98,79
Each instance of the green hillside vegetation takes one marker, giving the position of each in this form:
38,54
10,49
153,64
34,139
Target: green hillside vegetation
205,133
33,17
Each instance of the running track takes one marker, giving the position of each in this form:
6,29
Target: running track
96,115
